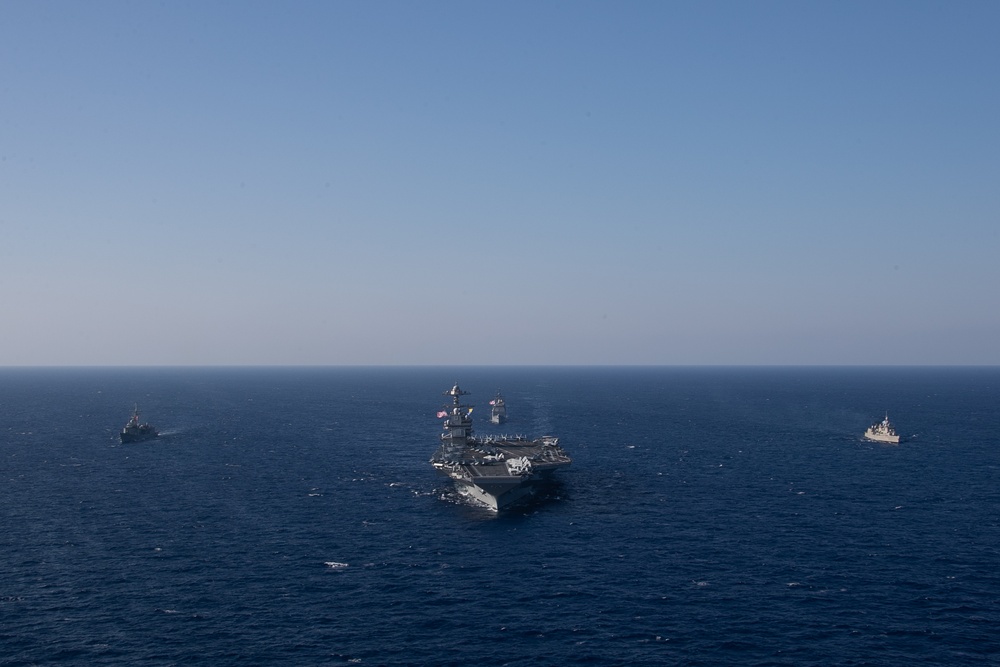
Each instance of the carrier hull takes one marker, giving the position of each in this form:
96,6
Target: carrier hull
493,481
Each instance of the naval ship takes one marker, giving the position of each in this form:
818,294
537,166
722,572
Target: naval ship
136,432
882,432
498,413
497,471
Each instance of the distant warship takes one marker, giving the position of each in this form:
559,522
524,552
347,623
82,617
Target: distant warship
497,471
498,414
882,432
136,432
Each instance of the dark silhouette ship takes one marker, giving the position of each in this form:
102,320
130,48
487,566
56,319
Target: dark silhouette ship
136,432
497,471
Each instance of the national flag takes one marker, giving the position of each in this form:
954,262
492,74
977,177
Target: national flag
442,413
493,402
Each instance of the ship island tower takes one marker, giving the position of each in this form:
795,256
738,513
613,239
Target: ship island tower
458,426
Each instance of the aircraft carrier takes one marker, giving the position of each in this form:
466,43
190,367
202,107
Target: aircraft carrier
497,471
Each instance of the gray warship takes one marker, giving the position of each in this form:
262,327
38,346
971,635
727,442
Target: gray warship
133,431
497,471
498,412
882,432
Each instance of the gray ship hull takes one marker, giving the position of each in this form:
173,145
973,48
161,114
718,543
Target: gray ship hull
496,499
493,488
881,437
500,473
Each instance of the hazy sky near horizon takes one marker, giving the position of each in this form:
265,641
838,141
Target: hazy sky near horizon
499,183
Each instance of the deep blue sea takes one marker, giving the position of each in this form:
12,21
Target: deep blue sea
290,517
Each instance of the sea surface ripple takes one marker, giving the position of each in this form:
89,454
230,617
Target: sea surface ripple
711,516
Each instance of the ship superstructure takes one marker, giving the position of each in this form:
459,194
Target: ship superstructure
882,432
498,409
497,471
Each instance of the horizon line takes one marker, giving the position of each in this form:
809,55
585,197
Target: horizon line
475,365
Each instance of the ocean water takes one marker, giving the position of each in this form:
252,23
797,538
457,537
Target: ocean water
290,517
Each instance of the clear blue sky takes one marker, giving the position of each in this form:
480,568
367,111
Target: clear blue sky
499,182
